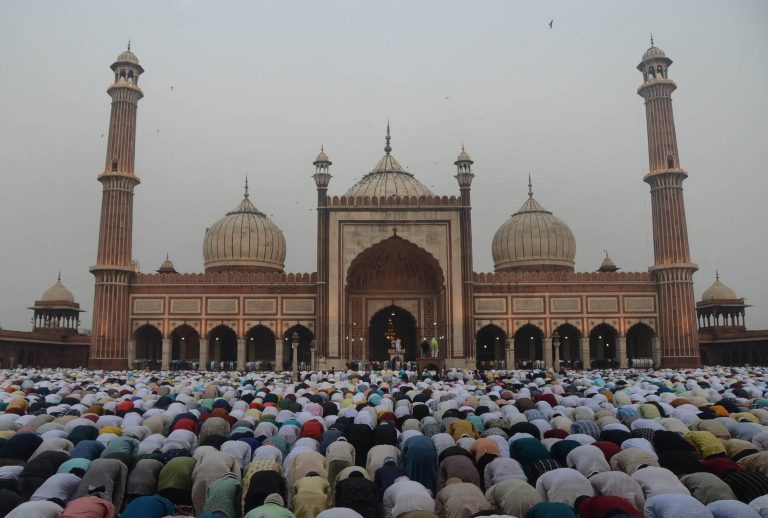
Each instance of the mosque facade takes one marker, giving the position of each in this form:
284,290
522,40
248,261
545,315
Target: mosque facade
395,270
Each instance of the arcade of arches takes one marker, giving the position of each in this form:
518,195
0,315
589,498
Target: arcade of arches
602,347
221,348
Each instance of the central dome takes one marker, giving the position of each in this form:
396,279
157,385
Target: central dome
532,239
388,178
244,239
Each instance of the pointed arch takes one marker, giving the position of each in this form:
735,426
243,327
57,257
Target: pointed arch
569,343
185,346
640,342
602,346
304,354
490,342
528,345
149,346
260,346
395,262
222,346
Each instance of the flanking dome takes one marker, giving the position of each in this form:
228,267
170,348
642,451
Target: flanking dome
388,178
532,239
718,291
244,239
57,293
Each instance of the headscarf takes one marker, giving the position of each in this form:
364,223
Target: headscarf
420,461
154,506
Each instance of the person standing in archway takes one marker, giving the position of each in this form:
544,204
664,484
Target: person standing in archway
433,347
425,347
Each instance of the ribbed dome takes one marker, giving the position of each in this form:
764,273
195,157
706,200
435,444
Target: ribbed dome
653,52
322,157
388,178
463,156
533,239
719,291
57,293
244,239
127,57
167,266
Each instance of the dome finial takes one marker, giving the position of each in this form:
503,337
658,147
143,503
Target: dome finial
606,253
129,44
246,185
651,39
530,186
717,275
388,148
59,275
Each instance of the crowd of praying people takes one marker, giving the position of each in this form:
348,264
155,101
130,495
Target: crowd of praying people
384,444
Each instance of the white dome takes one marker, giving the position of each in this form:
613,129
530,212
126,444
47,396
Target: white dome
388,178
244,239
533,239
57,293
719,291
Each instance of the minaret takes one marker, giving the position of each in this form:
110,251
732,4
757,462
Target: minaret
673,269
322,178
114,269
464,176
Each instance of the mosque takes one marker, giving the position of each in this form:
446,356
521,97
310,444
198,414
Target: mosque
394,266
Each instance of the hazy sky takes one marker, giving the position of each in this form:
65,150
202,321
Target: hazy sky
258,86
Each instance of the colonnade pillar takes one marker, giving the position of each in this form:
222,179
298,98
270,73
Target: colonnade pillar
584,352
165,355
556,365
241,355
203,354
278,355
510,352
547,353
656,351
131,354
621,351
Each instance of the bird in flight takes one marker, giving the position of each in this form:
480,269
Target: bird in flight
551,22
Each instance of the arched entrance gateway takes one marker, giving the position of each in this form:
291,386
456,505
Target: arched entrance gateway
149,343
395,290
568,353
185,347
490,347
602,347
260,348
528,346
392,323
222,344
304,354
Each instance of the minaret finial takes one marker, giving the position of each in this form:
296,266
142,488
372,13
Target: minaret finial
388,148
717,275
167,257
651,39
530,186
59,275
129,44
246,185
606,253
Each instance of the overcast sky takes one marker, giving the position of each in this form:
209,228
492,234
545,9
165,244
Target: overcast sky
255,87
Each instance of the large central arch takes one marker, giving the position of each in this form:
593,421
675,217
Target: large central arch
389,324
394,274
